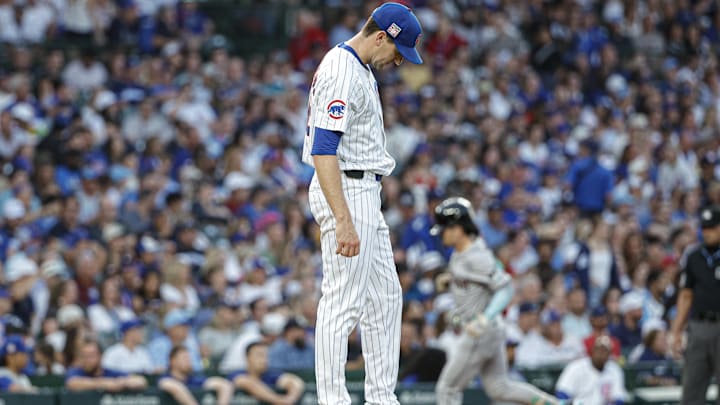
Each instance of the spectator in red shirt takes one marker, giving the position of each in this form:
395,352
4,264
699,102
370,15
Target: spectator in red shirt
309,38
444,42
599,323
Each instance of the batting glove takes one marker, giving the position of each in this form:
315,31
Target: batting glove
477,326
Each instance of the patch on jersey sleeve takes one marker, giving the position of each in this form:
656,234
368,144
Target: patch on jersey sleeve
336,109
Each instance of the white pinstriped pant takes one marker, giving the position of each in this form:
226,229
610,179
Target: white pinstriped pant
363,288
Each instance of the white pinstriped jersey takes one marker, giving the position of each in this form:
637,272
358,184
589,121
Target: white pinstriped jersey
476,275
344,97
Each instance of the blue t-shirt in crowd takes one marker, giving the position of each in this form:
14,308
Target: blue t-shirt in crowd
590,183
269,377
493,237
161,346
5,383
628,338
284,356
417,231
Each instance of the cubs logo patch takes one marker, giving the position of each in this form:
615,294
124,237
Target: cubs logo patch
394,30
336,109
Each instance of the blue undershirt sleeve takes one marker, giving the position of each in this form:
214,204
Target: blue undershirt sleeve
325,142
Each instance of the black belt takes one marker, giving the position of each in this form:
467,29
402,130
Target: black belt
706,316
359,174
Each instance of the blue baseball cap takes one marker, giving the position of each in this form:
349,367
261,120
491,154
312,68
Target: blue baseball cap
177,317
399,22
131,324
550,316
528,307
14,344
598,311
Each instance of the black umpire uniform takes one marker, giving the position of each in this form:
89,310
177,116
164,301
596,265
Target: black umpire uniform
699,306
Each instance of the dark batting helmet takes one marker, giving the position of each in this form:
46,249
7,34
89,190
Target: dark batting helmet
455,211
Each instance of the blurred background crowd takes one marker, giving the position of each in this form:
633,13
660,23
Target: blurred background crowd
148,171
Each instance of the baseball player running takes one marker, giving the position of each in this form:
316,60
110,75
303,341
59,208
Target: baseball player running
481,290
345,142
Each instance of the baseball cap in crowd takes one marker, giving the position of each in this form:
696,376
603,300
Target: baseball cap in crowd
630,301
403,27
112,231
652,324
69,314
624,199
526,307
241,236
292,323
14,344
19,266
131,324
710,217
443,303
53,267
104,99
125,4
430,261
407,200
709,159
273,324
230,304
598,312
238,181
148,244
23,112
550,316
13,209
266,220
12,325
591,145
177,317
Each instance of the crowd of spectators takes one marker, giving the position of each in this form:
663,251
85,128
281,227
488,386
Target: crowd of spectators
154,207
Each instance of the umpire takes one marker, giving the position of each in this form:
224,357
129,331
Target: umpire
700,299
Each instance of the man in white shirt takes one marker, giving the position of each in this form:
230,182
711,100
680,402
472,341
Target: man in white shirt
86,73
27,21
11,138
550,347
236,357
129,355
576,321
594,380
14,353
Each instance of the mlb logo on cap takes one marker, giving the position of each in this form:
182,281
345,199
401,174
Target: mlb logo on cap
394,30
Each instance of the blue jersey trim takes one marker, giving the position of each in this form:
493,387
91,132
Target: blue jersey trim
325,142
348,48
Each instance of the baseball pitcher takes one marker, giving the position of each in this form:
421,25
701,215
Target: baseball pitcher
345,142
